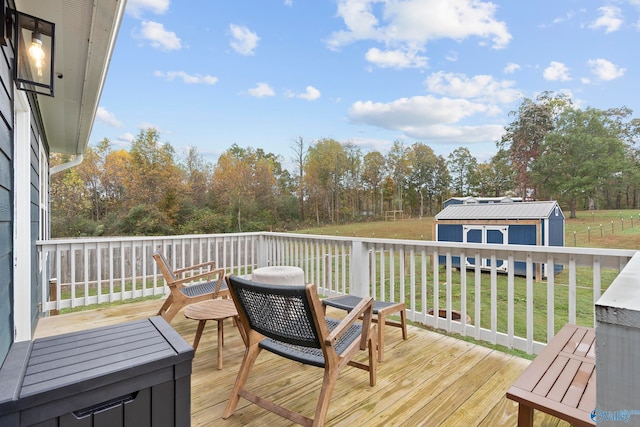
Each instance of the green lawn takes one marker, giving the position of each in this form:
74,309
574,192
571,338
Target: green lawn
620,229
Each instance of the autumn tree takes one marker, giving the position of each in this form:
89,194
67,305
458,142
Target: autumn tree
353,178
495,178
429,175
399,168
248,184
372,176
197,174
533,120
325,167
70,202
154,176
584,153
463,168
300,152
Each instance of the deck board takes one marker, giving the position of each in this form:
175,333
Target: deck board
430,379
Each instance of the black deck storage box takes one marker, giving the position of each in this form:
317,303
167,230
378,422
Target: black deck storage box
136,374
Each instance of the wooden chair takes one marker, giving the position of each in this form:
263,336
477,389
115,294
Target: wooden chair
189,288
289,321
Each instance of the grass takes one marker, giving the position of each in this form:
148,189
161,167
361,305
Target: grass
598,229
620,229
65,293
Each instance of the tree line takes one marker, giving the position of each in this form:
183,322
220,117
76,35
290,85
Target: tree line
552,150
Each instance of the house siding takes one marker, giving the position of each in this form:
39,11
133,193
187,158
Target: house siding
36,287
6,202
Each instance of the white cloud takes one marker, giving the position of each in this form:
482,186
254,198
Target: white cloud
159,37
243,40
311,94
451,56
187,78
395,58
126,138
567,17
261,90
556,71
437,120
610,19
407,26
288,2
107,117
136,7
511,68
480,87
605,70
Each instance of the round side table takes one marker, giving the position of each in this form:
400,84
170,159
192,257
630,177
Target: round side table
216,309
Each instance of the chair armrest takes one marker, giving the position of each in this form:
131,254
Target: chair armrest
210,264
195,277
364,307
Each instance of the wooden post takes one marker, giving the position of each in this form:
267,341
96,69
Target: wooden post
53,295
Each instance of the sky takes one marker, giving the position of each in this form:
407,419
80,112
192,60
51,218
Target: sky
446,73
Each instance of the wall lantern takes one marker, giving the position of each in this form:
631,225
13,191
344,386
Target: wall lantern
34,40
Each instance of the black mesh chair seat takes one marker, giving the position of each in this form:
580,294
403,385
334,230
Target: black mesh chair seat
348,303
202,288
312,355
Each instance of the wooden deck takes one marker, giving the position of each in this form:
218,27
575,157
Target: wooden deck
428,380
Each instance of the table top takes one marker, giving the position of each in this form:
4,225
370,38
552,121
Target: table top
214,309
561,380
279,275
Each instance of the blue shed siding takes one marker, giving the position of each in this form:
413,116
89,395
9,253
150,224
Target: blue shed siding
522,234
455,224
556,231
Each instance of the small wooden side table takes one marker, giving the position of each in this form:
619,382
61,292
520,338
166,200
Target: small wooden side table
216,309
381,309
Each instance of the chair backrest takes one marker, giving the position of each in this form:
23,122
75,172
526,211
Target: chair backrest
280,312
163,265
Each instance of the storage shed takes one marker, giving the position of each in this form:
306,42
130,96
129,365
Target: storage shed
469,200
523,223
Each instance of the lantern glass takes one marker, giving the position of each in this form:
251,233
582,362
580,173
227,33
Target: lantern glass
34,53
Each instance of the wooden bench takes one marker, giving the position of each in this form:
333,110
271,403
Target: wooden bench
561,380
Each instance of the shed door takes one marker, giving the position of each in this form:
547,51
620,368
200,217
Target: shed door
490,234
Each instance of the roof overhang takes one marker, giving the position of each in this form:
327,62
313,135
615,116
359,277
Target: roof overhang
86,32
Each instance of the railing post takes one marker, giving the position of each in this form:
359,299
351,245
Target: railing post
359,269
53,295
617,346
262,250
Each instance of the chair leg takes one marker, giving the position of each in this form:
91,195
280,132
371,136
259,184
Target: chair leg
171,312
403,322
165,306
328,383
250,356
382,320
372,356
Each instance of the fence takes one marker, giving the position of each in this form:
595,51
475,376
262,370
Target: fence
518,312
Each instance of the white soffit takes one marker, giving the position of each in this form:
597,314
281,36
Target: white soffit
86,32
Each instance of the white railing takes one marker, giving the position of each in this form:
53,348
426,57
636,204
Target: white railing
502,307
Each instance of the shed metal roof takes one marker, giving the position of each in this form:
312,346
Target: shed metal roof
523,210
